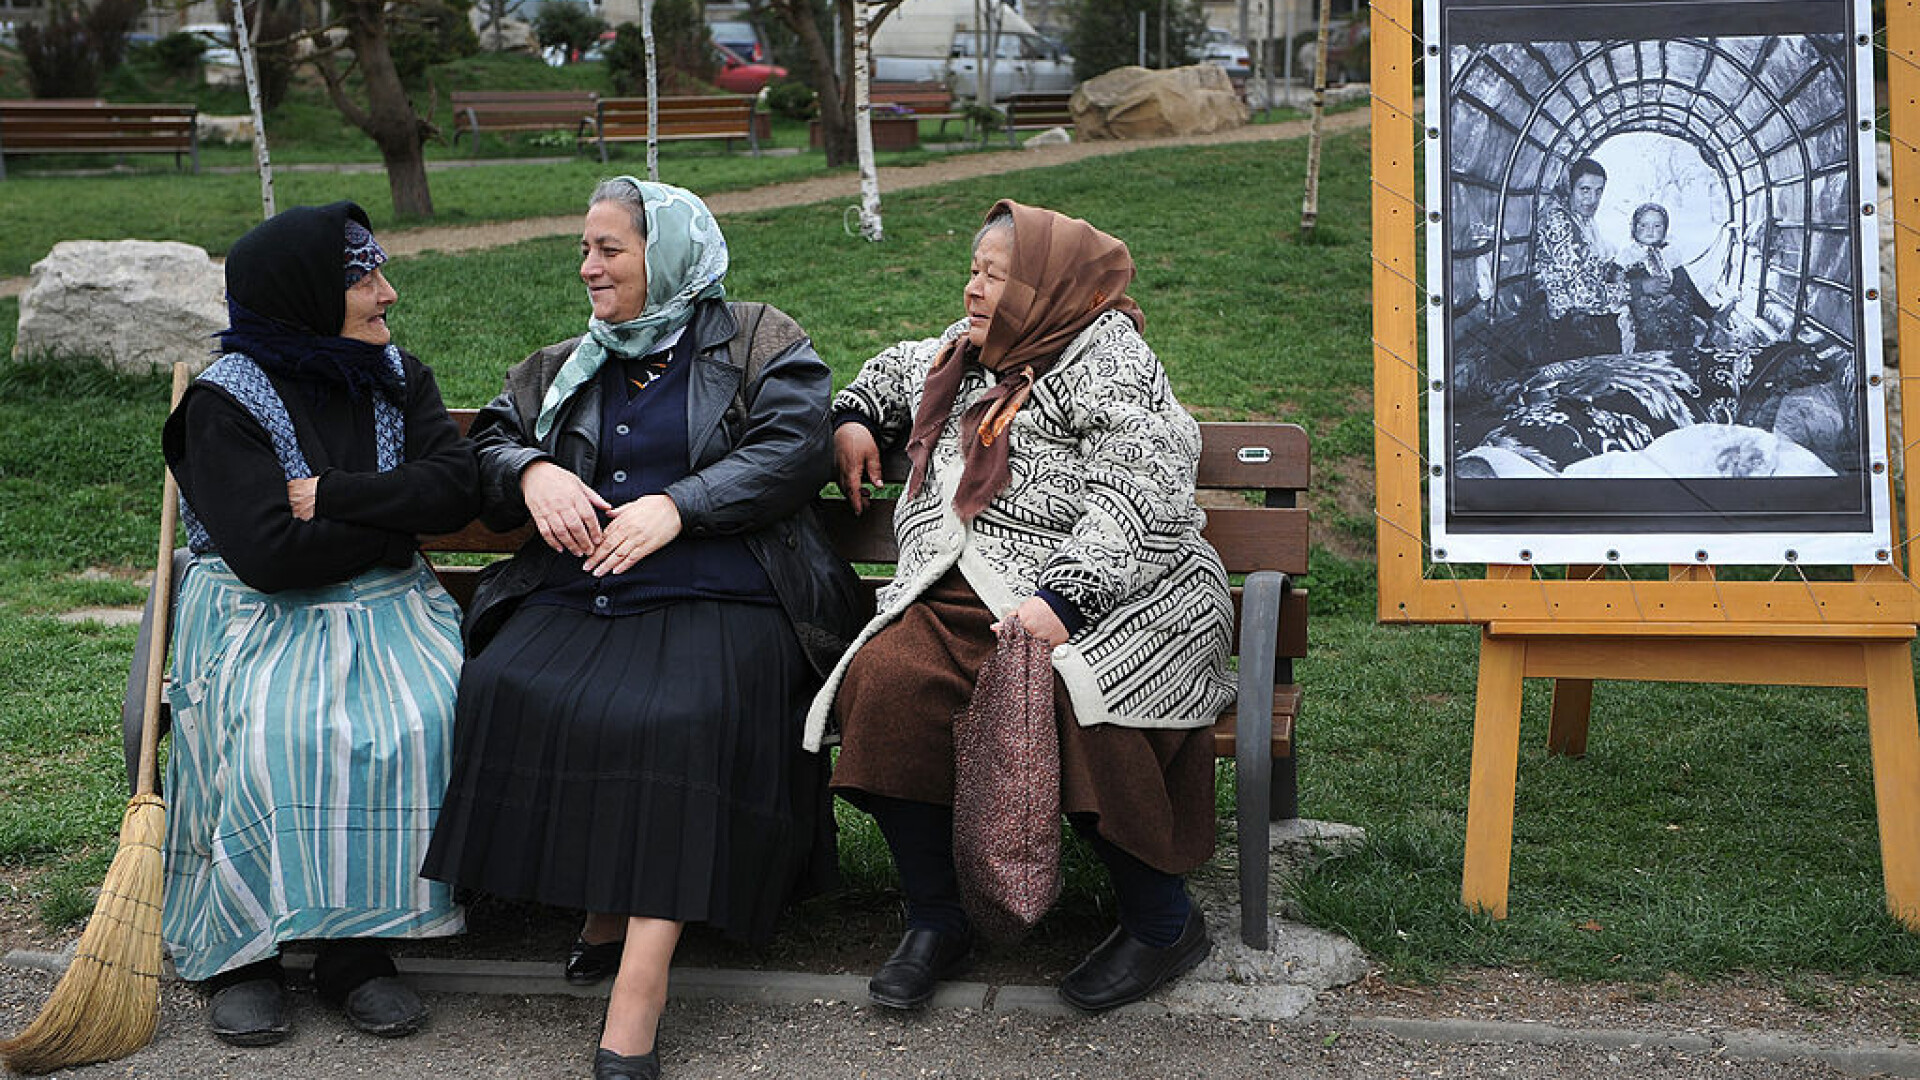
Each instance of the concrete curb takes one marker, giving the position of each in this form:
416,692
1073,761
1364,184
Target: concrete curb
1189,997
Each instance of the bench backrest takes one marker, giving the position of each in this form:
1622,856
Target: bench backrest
1039,110
917,97
523,108
95,126
1251,479
719,114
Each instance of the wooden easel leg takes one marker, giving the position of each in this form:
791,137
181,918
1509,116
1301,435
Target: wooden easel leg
1496,754
1895,737
1572,706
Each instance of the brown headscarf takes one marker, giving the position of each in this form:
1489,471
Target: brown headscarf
1065,274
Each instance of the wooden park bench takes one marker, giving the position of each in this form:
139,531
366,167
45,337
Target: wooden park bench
1263,538
475,111
719,116
74,126
925,100
1037,112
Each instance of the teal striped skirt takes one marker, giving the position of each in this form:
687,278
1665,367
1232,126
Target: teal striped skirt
311,733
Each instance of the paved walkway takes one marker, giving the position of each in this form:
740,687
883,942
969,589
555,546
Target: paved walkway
842,185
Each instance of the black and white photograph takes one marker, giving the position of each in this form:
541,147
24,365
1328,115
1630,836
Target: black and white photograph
1649,248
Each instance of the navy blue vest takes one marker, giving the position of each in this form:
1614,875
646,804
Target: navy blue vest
643,448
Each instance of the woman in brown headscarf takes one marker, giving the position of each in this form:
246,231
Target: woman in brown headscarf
1052,484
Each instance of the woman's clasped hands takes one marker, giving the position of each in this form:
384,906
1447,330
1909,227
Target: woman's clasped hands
567,512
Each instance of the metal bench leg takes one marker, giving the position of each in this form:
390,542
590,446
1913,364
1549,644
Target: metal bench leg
1253,746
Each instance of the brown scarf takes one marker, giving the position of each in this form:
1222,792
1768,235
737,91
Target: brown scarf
1065,274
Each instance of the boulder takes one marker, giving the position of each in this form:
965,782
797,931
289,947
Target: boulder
224,129
1135,103
1054,136
135,305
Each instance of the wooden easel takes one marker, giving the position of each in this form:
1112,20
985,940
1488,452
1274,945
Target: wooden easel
1877,659
1689,628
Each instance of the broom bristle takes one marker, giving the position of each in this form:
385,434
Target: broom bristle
108,1002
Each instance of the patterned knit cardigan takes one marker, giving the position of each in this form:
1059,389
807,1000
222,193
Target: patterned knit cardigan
1099,509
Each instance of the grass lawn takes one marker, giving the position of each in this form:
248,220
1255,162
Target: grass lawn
1710,830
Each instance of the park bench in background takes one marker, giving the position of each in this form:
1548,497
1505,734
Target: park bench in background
1264,539
720,116
475,111
925,100
1037,112
73,126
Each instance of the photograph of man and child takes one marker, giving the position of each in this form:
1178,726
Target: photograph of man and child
1643,291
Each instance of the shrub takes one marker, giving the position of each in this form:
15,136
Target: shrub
67,54
426,32
680,48
569,26
178,55
1106,34
792,99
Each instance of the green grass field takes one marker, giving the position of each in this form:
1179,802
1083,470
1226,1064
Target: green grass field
1709,831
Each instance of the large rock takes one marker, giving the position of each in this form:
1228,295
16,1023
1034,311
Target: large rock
1135,103
132,304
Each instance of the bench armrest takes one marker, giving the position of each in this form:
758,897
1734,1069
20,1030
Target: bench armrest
1260,600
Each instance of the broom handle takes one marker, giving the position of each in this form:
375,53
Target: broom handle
162,612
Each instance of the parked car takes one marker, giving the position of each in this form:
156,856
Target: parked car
740,38
736,74
1023,63
1227,54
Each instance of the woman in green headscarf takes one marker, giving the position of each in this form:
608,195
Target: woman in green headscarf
627,738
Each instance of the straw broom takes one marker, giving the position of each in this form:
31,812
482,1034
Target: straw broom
108,1002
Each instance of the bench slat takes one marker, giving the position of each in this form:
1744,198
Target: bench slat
97,127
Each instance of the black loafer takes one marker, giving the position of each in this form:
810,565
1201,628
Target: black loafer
608,1065
1122,970
386,1007
589,964
251,1013
923,958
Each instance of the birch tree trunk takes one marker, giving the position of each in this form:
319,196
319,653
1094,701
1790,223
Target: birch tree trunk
653,92
1310,206
863,128
244,41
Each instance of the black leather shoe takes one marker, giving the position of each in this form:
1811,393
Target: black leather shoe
608,1065
250,1013
588,964
923,958
386,1007
1123,970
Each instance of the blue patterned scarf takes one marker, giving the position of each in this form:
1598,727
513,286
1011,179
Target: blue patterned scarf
686,260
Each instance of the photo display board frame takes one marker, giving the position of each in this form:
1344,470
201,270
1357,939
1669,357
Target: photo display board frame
1654,334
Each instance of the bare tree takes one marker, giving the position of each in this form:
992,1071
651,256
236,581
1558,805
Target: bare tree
386,115
836,89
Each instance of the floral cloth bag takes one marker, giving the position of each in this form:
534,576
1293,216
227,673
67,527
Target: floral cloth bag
1006,791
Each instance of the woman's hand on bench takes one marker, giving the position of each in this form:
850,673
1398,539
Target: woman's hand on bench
857,461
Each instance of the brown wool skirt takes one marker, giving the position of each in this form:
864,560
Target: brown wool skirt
1150,789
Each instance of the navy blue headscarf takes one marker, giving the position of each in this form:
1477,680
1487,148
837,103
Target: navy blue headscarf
287,281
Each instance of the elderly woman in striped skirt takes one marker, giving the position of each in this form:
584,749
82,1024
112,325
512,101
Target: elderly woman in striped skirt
315,654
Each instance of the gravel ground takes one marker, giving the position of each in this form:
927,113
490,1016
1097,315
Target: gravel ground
534,1038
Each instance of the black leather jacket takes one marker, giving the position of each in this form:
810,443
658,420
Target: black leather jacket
754,475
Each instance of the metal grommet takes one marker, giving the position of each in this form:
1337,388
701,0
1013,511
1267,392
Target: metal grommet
1879,467
1792,555
1873,294
1526,555
1435,299
1700,556
1613,556
1439,554
1434,217
1867,210
1439,470
1433,133
1438,386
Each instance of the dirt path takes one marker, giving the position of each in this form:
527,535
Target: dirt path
844,185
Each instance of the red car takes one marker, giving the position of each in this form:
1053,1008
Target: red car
737,75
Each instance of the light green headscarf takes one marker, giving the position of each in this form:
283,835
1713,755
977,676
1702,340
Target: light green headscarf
686,258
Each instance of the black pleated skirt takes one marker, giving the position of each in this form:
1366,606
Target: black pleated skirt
644,765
